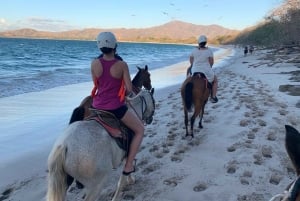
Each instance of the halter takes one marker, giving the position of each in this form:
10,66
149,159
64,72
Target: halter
290,194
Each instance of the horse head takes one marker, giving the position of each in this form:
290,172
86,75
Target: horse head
142,78
292,146
144,105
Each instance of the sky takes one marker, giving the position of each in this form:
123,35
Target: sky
59,15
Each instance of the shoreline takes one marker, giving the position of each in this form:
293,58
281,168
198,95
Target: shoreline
231,148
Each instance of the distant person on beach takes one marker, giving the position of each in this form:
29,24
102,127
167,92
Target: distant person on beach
251,49
245,50
202,60
110,75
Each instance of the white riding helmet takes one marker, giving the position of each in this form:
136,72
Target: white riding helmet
106,39
202,39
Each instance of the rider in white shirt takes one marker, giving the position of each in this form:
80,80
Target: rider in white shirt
202,60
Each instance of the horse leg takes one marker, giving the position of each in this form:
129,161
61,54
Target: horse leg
201,117
186,122
123,181
192,124
93,191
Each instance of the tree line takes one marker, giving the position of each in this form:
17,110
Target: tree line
281,27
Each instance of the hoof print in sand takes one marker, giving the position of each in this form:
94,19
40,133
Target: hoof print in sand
244,181
271,137
5,195
170,182
231,167
128,197
200,187
261,122
258,159
231,148
275,178
244,122
176,159
251,197
266,151
151,168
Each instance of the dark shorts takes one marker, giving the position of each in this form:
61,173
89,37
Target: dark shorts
119,112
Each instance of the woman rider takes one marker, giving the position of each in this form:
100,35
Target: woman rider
202,60
110,75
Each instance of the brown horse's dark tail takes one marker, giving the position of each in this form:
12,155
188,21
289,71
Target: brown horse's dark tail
77,115
188,95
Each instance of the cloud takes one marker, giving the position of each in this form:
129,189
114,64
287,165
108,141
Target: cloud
40,24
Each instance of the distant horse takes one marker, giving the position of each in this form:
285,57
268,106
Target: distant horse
87,153
194,92
292,145
141,79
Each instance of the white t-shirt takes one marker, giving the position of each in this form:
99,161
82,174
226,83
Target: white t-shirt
201,62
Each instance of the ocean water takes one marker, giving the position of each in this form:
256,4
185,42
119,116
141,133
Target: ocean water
29,65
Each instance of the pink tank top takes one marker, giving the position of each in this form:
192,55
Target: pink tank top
107,97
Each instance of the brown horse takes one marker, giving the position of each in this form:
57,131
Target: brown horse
194,93
292,145
141,79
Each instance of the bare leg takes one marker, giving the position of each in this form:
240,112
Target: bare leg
135,124
215,87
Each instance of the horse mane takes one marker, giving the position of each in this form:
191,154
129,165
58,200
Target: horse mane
135,79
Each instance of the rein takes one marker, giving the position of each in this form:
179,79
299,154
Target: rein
289,194
143,108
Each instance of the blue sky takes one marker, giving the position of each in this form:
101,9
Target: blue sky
60,15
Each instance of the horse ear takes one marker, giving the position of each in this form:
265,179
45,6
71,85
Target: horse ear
139,68
292,145
152,91
146,67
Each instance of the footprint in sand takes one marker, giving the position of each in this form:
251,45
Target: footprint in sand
232,148
251,136
128,197
232,167
258,160
5,195
244,122
275,178
176,159
271,136
200,187
261,122
244,178
244,181
266,151
151,168
253,196
172,181
283,112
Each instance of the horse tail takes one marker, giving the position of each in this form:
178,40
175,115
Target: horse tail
188,95
77,115
57,178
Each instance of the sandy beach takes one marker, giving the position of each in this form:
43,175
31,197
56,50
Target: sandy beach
239,155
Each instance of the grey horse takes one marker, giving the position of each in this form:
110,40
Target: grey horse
87,153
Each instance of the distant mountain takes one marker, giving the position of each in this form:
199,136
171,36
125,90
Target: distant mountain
174,31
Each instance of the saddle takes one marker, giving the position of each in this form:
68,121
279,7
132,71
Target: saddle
202,75
114,127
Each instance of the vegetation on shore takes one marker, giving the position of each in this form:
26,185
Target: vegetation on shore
281,28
